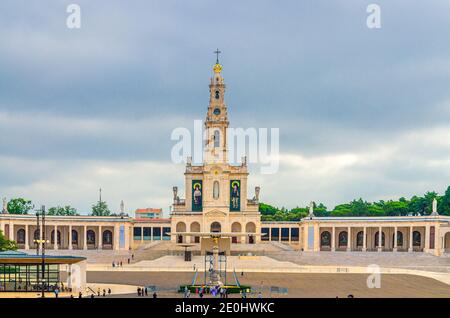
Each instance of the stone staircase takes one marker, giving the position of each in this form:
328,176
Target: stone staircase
282,246
413,260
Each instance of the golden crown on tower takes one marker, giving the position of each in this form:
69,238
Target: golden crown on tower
217,68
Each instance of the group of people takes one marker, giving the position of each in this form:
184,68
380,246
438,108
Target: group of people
57,288
214,291
99,293
120,263
92,295
143,291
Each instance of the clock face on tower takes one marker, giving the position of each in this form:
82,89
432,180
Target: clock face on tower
216,111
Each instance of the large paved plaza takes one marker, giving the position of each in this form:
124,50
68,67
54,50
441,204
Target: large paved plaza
303,274
298,285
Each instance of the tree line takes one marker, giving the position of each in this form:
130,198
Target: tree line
416,205
25,206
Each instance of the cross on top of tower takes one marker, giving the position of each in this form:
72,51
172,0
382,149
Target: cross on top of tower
217,52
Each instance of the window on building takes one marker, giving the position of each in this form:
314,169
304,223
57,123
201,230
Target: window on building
20,236
166,233
275,233
90,237
294,234
264,234
74,237
107,237
25,278
399,238
285,234
216,227
343,238
216,190
216,138
137,232
157,233
325,239
147,233
360,239
417,238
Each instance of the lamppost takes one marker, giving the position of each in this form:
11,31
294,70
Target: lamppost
42,242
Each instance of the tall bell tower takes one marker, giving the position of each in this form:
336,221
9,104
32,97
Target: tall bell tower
216,191
216,123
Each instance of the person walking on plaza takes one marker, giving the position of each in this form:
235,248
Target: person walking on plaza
98,292
155,295
104,292
146,291
139,291
109,291
80,295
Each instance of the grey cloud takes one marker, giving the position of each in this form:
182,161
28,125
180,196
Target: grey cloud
136,70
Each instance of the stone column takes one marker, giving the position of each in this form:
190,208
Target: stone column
55,238
364,248
380,239
85,237
27,237
70,238
116,237
410,249
290,229
427,239
127,237
438,249
11,232
100,238
349,239
142,234
333,239
395,239
270,234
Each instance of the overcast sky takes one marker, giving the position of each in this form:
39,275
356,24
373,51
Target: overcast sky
362,112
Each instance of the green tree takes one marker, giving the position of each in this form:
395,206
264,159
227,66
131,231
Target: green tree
267,209
444,204
100,209
342,210
396,208
6,245
321,210
58,210
417,205
19,206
